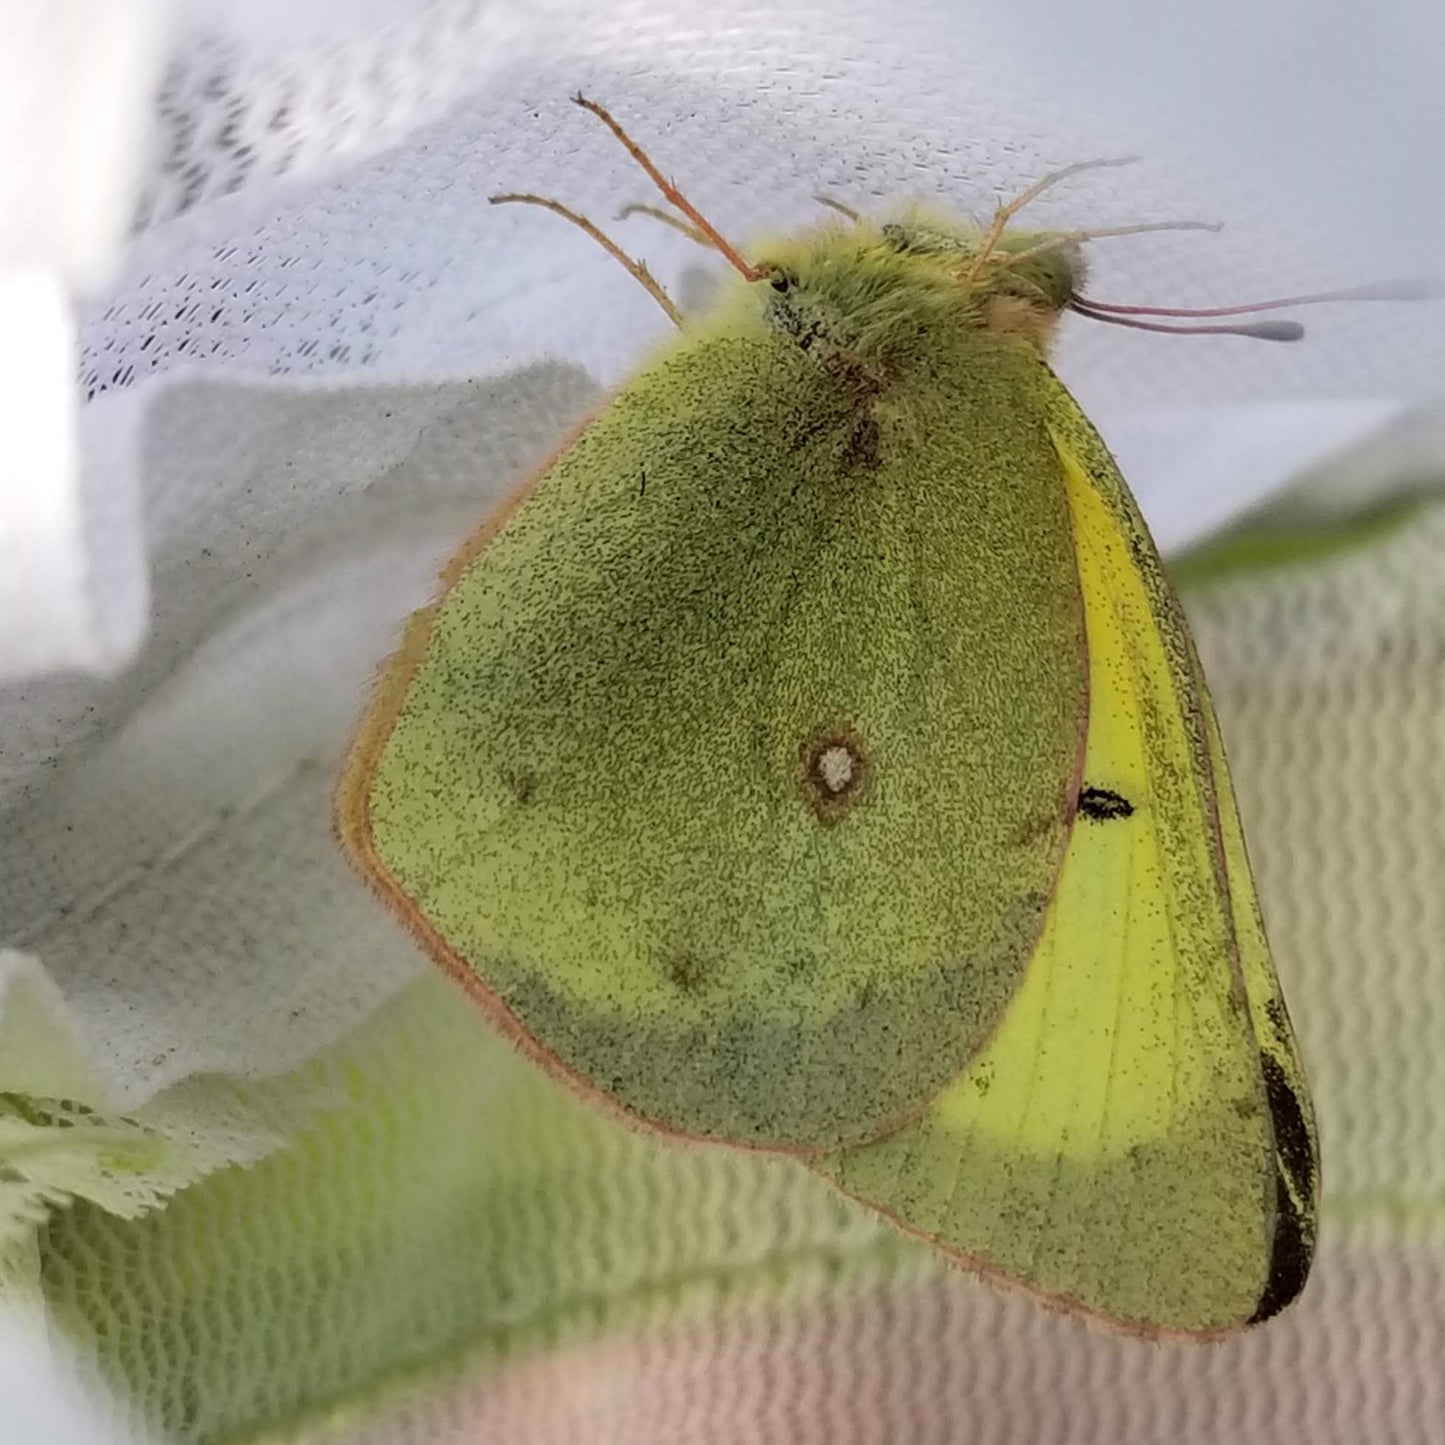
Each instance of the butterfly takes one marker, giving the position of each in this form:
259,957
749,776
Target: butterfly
812,757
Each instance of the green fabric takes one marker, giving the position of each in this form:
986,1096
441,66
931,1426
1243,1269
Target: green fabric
1281,537
63,1139
456,1202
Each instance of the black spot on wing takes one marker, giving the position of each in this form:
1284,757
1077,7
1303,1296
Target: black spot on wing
687,970
1294,1230
1291,1134
1099,805
1278,1019
1290,1257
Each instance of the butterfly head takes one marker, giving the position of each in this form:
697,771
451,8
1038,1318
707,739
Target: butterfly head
871,286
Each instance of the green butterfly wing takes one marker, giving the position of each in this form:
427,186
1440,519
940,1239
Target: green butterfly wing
1292,1120
1136,1139
732,768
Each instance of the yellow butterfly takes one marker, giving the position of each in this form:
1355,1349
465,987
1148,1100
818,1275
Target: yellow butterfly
813,757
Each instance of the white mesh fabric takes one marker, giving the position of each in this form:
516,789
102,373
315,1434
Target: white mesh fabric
165,842
66,1136
258,93
354,143
44,1401
74,105
388,255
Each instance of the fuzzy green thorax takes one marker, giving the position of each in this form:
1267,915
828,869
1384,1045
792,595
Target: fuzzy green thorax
875,290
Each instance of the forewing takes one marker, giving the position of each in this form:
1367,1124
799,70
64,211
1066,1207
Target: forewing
1296,1143
1115,1148
732,770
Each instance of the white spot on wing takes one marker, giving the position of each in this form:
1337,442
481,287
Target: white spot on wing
835,768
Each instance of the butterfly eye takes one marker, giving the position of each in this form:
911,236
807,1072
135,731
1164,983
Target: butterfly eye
781,282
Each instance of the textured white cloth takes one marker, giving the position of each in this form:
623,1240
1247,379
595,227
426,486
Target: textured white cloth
355,145
44,1403
76,102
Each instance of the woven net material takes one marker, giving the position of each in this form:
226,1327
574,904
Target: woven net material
465,1238
312,204
321,209
64,1137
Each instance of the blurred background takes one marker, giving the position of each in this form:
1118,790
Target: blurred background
266,354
